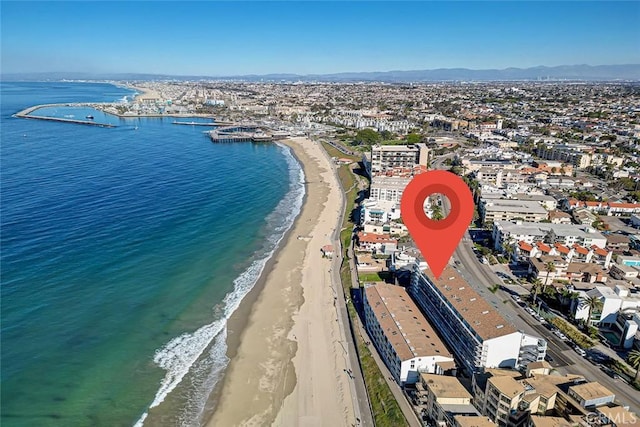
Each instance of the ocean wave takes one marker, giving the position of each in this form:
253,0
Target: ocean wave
183,354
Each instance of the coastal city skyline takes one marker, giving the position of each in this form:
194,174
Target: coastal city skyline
238,38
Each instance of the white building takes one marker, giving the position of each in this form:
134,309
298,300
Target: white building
508,209
384,157
473,328
510,232
379,211
614,301
403,337
387,188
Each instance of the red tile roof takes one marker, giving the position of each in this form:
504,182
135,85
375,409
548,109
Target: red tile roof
524,246
375,238
543,247
580,249
562,248
598,250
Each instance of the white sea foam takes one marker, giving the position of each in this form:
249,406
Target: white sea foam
183,354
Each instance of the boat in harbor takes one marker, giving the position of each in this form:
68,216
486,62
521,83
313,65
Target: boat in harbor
90,117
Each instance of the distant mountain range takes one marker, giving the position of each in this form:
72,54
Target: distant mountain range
563,72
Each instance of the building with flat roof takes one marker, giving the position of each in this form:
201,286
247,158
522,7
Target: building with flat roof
403,337
591,395
509,232
541,421
510,399
387,188
385,157
478,334
617,416
472,421
502,396
510,209
443,397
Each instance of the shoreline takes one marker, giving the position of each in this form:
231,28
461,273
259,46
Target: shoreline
271,337
239,319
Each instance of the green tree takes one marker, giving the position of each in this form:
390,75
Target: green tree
634,360
537,284
386,135
565,296
367,137
549,267
437,212
413,138
592,304
508,250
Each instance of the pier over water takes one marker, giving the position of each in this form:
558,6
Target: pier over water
240,133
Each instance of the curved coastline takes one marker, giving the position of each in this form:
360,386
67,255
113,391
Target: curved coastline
221,336
289,361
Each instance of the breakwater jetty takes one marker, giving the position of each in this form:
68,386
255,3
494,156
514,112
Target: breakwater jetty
29,113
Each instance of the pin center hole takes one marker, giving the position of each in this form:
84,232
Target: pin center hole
437,206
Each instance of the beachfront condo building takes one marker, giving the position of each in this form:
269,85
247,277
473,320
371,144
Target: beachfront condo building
406,342
478,334
387,157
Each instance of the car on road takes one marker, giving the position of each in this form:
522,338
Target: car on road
560,335
516,298
548,358
580,351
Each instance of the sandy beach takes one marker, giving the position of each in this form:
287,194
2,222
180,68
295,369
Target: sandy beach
144,93
287,361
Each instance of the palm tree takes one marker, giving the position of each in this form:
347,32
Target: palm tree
634,360
508,250
536,288
549,267
592,303
565,296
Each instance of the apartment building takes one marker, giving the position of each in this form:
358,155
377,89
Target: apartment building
501,398
500,178
477,333
441,398
378,211
577,155
397,156
403,337
512,400
510,209
509,232
472,421
591,395
387,188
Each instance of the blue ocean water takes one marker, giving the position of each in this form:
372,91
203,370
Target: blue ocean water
123,251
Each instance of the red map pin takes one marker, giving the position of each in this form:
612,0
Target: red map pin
437,239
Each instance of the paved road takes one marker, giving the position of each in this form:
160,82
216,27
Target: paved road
481,276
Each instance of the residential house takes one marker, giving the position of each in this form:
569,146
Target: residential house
376,243
559,217
618,243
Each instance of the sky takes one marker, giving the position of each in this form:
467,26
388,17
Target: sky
239,38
